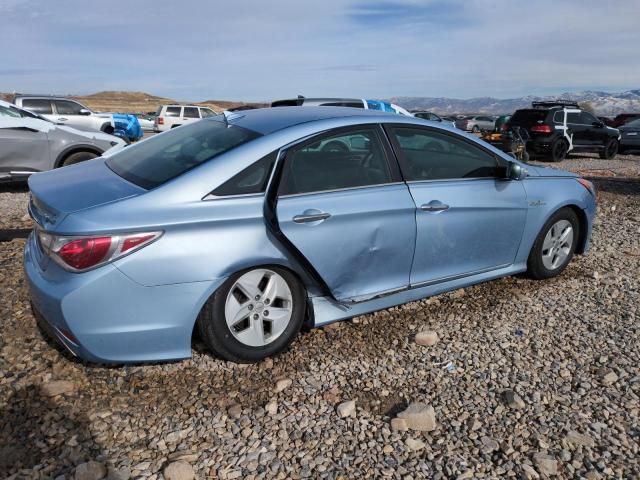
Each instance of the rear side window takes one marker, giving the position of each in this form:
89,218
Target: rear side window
344,160
42,106
573,118
164,157
172,112
252,179
558,117
191,112
65,107
205,112
431,155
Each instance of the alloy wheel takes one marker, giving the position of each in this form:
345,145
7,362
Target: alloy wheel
258,307
557,244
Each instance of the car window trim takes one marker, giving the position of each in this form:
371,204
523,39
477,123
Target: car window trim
389,158
402,161
332,190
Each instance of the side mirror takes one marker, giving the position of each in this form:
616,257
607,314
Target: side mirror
84,111
515,171
598,124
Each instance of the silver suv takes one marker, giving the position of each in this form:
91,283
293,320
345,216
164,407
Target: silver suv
64,111
170,116
30,143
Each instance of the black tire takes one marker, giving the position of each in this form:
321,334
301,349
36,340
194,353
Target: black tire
335,146
215,333
621,150
77,158
559,150
535,266
525,157
610,149
475,129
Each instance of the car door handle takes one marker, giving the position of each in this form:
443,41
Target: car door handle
62,119
312,217
434,207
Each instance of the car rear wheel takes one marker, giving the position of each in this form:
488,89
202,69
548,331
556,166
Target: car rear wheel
610,149
77,158
256,313
559,150
475,129
555,245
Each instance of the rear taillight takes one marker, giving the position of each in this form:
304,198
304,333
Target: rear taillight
541,129
80,253
588,185
160,120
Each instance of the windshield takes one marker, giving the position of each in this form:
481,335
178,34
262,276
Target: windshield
633,123
526,118
168,155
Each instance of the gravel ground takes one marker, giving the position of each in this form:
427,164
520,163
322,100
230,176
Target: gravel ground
526,380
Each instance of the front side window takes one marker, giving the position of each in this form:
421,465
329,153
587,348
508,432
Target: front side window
431,155
191,112
344,160
42,106
172,112
164,157
587,118
65,107
9,112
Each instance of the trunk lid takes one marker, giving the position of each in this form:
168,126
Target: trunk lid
57,193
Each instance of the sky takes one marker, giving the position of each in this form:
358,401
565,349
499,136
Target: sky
257,50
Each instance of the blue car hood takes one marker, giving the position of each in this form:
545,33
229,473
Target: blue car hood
78,187
548,172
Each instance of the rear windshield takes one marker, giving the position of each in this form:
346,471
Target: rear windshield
528,117
159,159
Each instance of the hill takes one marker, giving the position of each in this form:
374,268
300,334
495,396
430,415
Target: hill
603,103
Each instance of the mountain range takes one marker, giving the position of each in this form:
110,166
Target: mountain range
602,103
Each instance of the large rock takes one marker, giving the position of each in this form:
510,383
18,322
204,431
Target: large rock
179,471
419,416
415,445
90,471
579,439
283,384
513,400
347,409
57,387
546,464
427,338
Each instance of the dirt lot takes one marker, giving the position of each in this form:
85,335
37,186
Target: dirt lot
568,348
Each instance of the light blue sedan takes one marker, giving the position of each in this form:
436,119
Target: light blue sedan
249,225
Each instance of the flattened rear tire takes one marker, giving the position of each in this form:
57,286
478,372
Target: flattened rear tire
554,246
77,158
255,314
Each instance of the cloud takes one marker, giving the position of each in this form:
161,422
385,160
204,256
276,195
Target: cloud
255,50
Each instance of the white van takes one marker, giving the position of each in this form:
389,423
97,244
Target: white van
170,116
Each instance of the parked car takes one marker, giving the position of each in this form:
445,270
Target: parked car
241,227
147,121
558,127
31,144
630,136
623,118
171,116
65,111
342,102
476,124
433,117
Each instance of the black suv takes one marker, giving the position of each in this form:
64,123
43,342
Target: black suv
559,127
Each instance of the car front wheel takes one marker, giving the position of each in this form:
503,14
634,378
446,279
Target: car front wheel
555,245
610,149
256,313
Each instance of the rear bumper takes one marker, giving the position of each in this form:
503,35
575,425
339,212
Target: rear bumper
103,316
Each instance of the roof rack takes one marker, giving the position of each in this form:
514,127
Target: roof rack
555,103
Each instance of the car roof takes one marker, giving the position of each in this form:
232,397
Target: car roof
269,120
